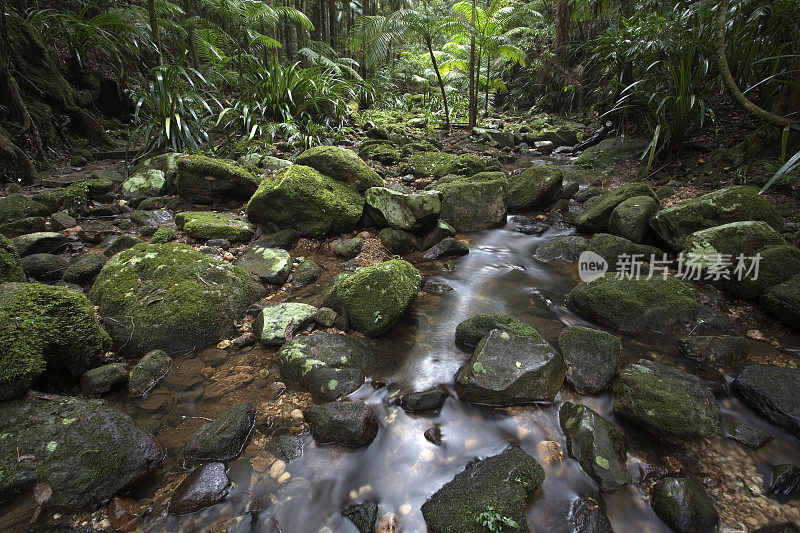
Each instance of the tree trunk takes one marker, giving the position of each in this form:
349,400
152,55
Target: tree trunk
488,68
473,96
441,84
563,26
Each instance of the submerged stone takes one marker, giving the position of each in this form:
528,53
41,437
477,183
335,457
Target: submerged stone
363,515
784,485
591,356
344,423
224,438
684,505
748,436
589,516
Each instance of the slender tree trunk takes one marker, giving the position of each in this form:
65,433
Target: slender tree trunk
473,97
441,84
563,25
488,68
151,10
334,35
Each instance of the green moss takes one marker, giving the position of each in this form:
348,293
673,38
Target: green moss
480,177
205,225
207,180
472,330
341,165
10,264
16,206
424,164
538,186
163,236
148,372
300,198
418,146
783,301
467,165
76,198
397,241
381,151
23,226
473,206
595,218
52,200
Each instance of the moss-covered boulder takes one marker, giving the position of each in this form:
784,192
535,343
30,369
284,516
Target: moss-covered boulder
344,423
148,372
306,273
375,298
275,323
665,401
144,184
10,264
473,206
510,369
207,225
224,438
538,186
470,332
562,248
630,218
714,350
591,356
683,505
163,236
705,246
425,164
341,165
46,329
381,151
470,164
490,493
778,264
170,297
205,180
783,302
85,268
732,204
473,178
117,243
16,206
397,241
22,226
612,151
615,249
643,305
595,217
403,211
271,265
300,198
104,379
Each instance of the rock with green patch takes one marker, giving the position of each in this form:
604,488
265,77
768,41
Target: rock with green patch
148,372
562,248
771,391
42,242
470,164
665,401
22,226
207,225
591,356
271,265
683,505
473,206
306,273
45,267
171,297
470,332
403,211
17,206
349,248
748,436
616,249
397,241
326,364
630,218
205,180
536,187
163,236
705,246
344,423
490,493
643,305
731,204
46,329
595,217
341,165
426,164
118,243
61,220
612,151
778,264
783,302
144,184
10,264
85,268
75,198
277,323
598,445
436,234
714,350
224,438
300,198
382,152
103,379
508,369
151,218
376,297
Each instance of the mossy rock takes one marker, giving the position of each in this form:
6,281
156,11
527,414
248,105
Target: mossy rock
23,226
591,356
306,273
418,146
376,297
397,241
705,246
224,438
475,178
45,267
470,332
144,184
302,199
344,423
613,249
403,211
207,225
731,204
52,200
341,165
117,243
683,504
562,248
104,379
380,151
205,180
10,264
163,236
425,164
276,322
630,218
85,268
46,328
349,248
271,265
783,302
75,198
470,164
148,372
16,206
538,186
595,217
779,263
171,297
612,151
473,206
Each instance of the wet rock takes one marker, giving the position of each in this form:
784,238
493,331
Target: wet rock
97,232
644,305
491,491
595,217
783,302
784,485
772,392
341,165
151,218
104,379
597,444
123,514
205,486
403,211
732,204
224,438
283,239
45,267
588,516
527,226
349,248
449,247
10,263
375,298
148,372
665,401
144,184
748,436
43,242
286,447
536,187
119,243
630,218
398,241
208,225
706,349
61,221
85,268
473,206
277,323
108,210
205,180
170,297
563,247
731,239
436,287
300,198
363,515
325,317
433,435
470,332
343,423
591,356
588,192
17,206
779,263
326,364
440,231
613,249
23,226
511,370
569,190
427,400
683,505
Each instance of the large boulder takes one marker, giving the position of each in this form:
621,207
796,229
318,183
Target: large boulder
300,198
538,186
778,264
205,180
490,491
510,369
732,204
17,206
344,423
705,246
598,445
41,242
665,401
144,184
375,298
683,504
342,165
10,264
470,332
46,328
327,365
403,211
473,206
170,297
714,350
643,305
616,249
591,356
424,164
772,392
611,151
224,438
630,218
595,217
207,225
45,267
783,301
